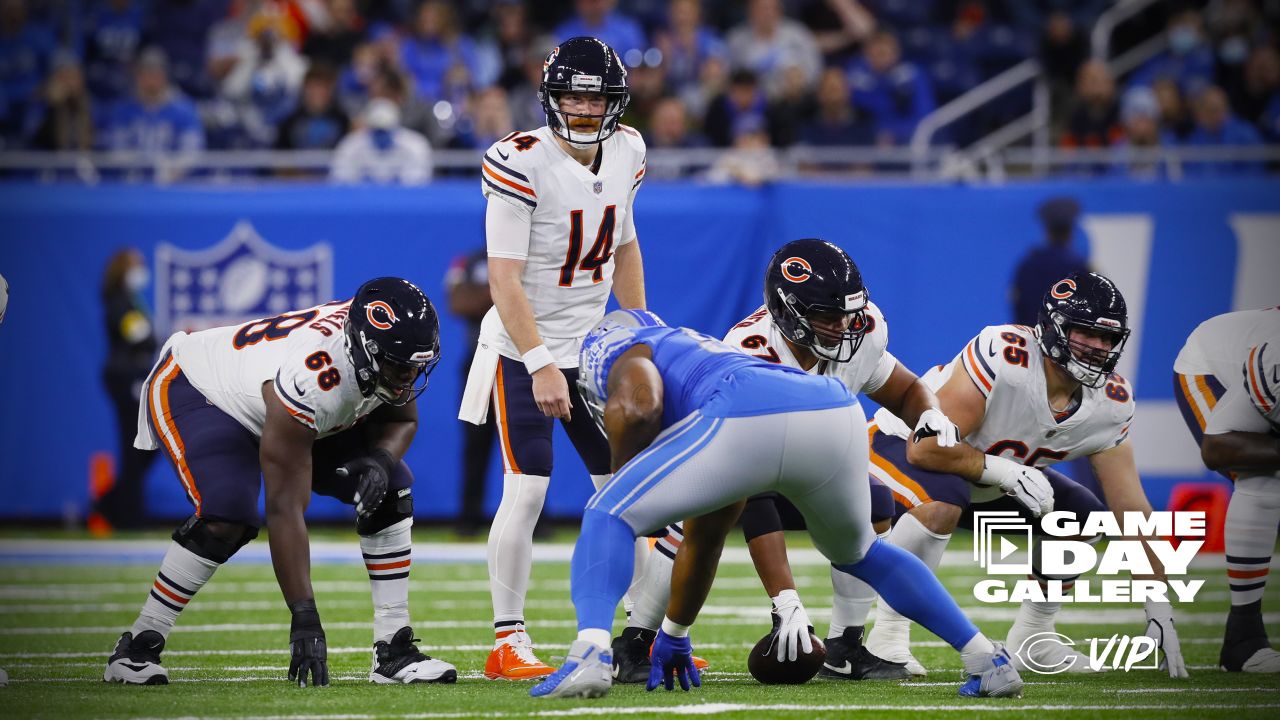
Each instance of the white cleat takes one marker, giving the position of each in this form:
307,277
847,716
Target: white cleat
399,662
891,640
1266,660
1044,653
587,673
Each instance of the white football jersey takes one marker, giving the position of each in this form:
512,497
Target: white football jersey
302,354
1005,363
1210,364
867,372
578,219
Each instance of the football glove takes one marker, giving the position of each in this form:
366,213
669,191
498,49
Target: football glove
308,655
372,474
1025,484
794,629
933,423
1160,628
672,658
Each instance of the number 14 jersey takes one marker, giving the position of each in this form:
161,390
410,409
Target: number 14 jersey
577,219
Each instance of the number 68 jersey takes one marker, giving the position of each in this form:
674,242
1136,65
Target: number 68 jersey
577,219
1006,365
302,354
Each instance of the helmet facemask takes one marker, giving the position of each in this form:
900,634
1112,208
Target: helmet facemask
394,381
1086,363
560,120
836,347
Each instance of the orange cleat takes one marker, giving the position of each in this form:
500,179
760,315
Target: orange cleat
513,659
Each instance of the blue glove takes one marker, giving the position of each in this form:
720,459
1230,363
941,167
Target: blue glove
672,656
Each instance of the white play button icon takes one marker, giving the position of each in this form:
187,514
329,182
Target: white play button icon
1006,548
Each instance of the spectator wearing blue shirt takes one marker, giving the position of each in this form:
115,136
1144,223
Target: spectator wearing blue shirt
437,53
740,107
1216,126
598,19
1045,265
318,123
895,93
181,29
25,52
687,44
113,35
158,118
1188,61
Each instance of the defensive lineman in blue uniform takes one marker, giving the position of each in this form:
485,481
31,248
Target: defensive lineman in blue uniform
694,428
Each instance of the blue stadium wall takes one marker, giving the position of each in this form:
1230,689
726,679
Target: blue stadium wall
937,259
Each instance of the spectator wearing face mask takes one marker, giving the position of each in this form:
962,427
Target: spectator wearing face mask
1188,61
382,151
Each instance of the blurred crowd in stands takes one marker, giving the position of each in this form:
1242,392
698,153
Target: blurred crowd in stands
172,75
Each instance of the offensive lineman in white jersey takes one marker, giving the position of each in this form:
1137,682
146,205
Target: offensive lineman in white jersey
1227,382
561,234
318,400
818,318
1023,399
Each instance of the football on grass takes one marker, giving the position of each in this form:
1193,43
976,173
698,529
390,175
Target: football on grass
764,666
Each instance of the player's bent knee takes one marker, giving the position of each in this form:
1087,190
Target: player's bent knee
938,517
214,540
883,506
391,511
760,517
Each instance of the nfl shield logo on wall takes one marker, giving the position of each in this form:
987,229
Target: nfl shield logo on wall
240,278
598,187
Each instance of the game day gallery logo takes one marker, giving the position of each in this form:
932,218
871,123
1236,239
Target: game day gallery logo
1112,548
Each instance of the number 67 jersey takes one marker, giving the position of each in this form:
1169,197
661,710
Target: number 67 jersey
1007,366
577,219
302,354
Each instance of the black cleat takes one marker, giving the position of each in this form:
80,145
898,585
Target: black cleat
847,659
399,661
136,660
631,655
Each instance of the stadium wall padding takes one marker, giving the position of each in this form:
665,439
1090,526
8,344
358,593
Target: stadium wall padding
936,258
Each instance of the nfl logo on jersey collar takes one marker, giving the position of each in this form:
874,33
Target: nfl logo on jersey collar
598,186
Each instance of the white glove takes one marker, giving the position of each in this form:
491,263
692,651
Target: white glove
1160,628
795,628
1025,484
933,423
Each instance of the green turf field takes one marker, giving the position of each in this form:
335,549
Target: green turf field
228,654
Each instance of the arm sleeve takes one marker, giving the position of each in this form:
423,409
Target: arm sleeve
880,375
976,359
292,391
506,229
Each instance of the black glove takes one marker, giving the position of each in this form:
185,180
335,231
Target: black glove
371,473
307,651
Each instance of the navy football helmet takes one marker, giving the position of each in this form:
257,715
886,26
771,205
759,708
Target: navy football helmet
1088,302
811,276
586,65
393,339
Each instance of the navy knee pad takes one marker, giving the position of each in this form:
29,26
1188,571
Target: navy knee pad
397,506
195,535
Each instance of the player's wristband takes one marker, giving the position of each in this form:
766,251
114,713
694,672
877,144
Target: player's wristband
537,358
674,629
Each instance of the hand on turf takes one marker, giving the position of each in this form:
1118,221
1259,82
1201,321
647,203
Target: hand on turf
933,423
1160,628
794,631
672,658
308,656
372,475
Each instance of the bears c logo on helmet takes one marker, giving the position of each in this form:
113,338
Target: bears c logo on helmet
1064,289
796,269
386,312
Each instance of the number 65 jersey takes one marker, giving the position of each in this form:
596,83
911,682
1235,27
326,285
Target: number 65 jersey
1006,365
302,354
577,219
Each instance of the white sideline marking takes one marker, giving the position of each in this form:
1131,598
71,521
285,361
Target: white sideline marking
1197,690
722,708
